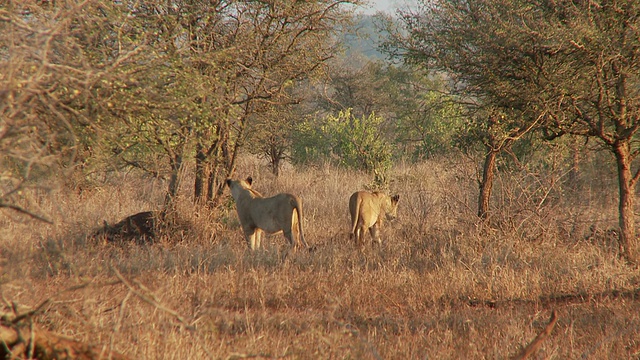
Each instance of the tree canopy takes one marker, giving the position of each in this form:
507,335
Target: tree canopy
565,67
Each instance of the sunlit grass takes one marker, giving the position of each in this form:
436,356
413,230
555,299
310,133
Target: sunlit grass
440,286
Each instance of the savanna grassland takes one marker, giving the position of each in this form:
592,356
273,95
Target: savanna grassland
441,286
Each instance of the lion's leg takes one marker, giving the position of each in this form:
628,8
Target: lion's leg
289,236
259,235
375,233
360,230
295,236
295,230
355,230
252,241
250,236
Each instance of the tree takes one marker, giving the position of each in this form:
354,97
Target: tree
281,42
428,116
209,67
212,69
596,47
469,42
497,135
272,134
161,103
49,91
347,140
419,116
569,67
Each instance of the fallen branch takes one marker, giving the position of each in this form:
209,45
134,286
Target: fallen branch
537,342
28,341
20,338
558,299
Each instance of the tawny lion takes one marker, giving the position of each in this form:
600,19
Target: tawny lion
257,214
368,211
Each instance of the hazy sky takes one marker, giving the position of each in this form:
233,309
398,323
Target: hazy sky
385,5
382,5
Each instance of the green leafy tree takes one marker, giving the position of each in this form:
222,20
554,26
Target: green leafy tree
312,143
463,40
422,118
347,140
567,67
429,118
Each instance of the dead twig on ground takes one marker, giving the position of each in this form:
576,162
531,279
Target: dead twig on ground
537,342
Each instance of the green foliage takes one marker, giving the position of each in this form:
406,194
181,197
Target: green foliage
310,145
421,115
433,129
345,140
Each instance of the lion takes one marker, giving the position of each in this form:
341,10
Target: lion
368,210
257,214
140,227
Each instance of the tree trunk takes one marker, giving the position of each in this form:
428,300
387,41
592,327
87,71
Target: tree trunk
174,182
626,184
488,172
229,155
574,172
201,157
222,165
275,167
276,155
216,183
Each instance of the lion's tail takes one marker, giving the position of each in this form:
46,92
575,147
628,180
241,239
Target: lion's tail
297,204
355,214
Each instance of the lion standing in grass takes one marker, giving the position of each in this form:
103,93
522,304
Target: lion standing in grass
368,210
257,214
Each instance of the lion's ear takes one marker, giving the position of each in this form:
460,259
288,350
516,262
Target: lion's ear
228,182
249,180
395,198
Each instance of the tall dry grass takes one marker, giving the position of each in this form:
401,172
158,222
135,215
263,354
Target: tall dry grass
440,286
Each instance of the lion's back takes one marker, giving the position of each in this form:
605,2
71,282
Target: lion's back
272,213
368,205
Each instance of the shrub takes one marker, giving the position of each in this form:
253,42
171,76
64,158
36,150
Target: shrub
345,140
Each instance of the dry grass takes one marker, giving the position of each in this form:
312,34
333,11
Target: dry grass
440,286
